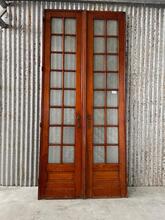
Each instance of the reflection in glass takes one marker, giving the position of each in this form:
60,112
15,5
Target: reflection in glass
56,97
99,154
99,27
112,154
54,154
112,99
112,135
68,135
56,61
98,137
55,116
56,25
68,154
99,116
54,135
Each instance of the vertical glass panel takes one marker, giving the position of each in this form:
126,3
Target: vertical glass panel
112,116
99,116
112,63
70,62
69,116
70,44
57,25
99,45
99,98
56,43
112,154
56,61
112,99
99,63
68,154
112,45
54,135
99,154
69,98
70,26
112,81
54,154
56,97
68,135
99,27
99,81
112,27
98,137
56,80
112,135
70,80
55,116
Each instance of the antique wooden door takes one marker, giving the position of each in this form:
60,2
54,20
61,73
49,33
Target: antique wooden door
82,151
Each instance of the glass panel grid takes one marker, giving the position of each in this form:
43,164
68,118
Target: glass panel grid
63,59
106,62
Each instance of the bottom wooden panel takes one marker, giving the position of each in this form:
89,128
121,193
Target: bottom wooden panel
106,183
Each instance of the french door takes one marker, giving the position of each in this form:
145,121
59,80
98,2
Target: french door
83,152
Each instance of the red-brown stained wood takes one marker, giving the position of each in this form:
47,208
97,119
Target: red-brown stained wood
83,178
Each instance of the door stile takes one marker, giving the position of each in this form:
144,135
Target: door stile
122,111
89,106
78,138
84,100
45,106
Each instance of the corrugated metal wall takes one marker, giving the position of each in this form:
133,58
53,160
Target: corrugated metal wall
20,92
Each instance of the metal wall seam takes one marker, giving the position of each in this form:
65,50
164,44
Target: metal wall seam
20,95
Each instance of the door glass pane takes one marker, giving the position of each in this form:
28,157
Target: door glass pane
99,98
112,27
112,116
70,62
99,63
69,98
57,25
99,154
99,45
112,154
98,137
112,99
99,81
54,154
55,116
56,80
70,26
112,45
56,97
99,116
56,61
112,63
68,154
68,135
69,116
54,135
56,43
112,135
112,81
99,27
70,44
69,80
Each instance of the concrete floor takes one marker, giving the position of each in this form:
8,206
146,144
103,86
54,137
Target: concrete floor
146,203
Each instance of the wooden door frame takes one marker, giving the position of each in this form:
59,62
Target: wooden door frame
120,16
87,160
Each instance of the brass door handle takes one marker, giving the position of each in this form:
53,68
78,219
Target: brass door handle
78,120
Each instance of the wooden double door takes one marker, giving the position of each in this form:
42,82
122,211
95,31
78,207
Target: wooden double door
83,152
